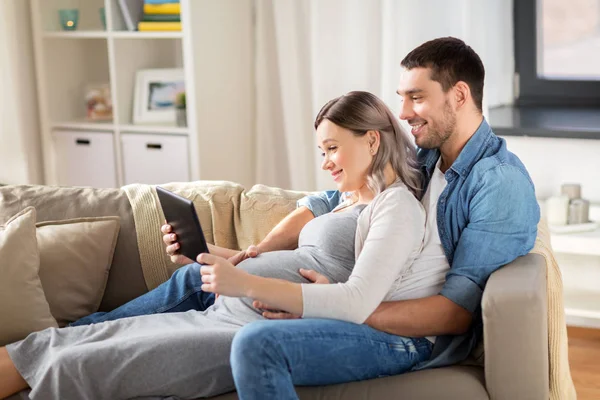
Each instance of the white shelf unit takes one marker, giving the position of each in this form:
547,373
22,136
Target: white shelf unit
578,256
214,49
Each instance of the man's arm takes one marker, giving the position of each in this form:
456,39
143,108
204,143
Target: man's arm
428,316
284,236
503,217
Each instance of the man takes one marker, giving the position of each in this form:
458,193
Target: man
485,213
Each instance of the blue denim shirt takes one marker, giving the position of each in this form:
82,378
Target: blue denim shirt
487,216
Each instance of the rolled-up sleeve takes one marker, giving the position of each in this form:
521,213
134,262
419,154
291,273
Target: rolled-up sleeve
320,203
503,218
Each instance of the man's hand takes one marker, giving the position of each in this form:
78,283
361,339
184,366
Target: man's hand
170,239
251,252
269,313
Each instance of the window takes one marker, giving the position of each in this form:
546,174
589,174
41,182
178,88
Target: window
557,52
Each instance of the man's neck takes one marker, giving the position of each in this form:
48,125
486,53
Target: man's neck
451,149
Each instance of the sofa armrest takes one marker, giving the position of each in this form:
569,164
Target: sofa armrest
515,330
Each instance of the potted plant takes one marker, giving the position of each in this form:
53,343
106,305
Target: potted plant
180,109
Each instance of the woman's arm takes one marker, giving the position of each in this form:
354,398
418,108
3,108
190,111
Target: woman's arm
395,235
393,240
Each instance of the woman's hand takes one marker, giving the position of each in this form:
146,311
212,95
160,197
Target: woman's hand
173,246
270,313
221,276
251,252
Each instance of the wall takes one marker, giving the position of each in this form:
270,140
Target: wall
552,162
20,148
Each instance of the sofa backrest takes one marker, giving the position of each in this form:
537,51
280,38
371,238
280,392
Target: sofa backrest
52,203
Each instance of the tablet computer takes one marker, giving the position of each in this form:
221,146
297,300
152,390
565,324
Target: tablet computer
181,215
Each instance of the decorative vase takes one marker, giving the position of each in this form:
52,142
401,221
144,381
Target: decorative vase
181,117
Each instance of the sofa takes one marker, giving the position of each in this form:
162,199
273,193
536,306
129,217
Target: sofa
510,363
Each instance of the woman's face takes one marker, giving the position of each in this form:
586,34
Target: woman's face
346,156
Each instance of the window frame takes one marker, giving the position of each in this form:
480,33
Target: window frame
532,89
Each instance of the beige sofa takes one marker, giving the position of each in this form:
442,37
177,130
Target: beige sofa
515,361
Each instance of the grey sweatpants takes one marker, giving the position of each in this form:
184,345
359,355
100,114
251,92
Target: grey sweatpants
182,355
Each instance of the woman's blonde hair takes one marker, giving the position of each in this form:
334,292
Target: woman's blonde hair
360,112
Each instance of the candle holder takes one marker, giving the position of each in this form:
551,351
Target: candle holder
69,18
102,12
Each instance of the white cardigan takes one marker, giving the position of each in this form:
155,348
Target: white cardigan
389,237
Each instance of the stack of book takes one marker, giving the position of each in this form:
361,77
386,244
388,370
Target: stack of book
161,15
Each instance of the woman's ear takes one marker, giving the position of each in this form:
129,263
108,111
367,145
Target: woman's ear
373,138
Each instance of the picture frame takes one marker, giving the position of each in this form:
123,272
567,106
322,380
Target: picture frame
155,94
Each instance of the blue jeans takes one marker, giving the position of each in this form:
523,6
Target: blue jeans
182,292
269,357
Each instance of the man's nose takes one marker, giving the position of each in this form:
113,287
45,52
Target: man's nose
406,112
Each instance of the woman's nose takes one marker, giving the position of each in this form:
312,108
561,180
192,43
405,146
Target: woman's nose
326,164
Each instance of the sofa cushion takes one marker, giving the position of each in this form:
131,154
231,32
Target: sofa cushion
52,203
261,208
23,306
75,260
448,383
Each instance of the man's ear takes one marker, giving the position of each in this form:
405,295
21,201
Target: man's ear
462,93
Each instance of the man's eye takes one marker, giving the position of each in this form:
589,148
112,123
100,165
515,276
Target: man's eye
415,98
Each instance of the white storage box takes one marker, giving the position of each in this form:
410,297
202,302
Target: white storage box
154,159
85,159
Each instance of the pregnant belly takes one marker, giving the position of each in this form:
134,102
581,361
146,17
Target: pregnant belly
280,265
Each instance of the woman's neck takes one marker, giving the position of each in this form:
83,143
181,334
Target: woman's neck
365,195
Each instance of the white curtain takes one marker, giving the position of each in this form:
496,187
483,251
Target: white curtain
310,51
20,147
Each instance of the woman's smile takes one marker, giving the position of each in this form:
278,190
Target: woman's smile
336,175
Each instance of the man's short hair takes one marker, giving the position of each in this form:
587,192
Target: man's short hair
450,60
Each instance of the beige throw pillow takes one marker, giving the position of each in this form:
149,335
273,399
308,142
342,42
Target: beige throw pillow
75,259
23,306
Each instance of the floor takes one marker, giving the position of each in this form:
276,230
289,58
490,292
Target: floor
584,357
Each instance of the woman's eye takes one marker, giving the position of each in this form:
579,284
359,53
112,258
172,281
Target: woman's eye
332,148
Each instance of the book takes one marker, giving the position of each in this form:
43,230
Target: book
162,18
159,26
132,11
167,8
160,1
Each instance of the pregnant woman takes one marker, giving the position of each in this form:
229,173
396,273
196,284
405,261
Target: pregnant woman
364,247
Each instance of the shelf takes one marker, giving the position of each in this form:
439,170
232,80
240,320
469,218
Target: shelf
109,126
116,35
584,243
147,35
162,129
76,34
582,308
84,126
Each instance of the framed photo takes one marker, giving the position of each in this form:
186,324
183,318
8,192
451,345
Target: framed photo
155,94
98,102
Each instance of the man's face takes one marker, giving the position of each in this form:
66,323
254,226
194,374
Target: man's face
427,109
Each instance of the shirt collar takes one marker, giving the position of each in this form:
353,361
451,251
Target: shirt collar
469,155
